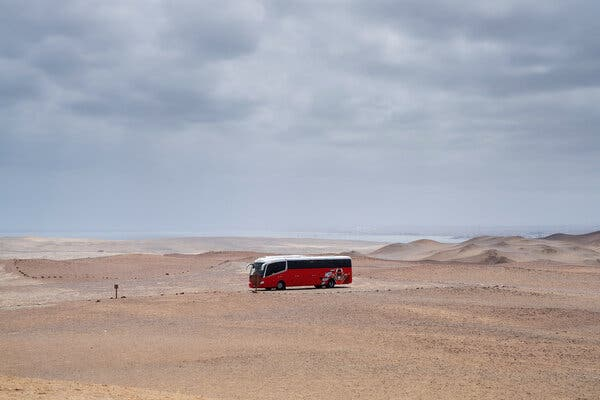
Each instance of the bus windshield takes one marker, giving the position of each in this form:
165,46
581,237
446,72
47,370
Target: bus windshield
257,268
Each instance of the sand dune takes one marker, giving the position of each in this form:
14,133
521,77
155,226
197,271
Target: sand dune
416,250
499,249
40,282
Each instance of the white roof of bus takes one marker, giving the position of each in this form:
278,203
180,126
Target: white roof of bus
299,257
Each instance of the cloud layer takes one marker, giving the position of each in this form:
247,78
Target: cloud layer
202,116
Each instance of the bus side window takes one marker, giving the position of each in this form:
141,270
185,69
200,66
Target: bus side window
275,267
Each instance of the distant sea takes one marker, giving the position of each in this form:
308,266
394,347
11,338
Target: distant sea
445,235
133,235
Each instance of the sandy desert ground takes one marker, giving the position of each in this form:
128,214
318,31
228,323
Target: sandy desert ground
493,318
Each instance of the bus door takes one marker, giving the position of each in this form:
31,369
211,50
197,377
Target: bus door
276,272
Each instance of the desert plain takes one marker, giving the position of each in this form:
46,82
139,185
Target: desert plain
489,318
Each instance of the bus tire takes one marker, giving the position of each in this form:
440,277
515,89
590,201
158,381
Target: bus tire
280,285
330,284
318,286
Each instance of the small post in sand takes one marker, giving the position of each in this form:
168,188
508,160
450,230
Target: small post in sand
116,291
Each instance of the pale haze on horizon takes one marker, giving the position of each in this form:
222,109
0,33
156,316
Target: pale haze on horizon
208,116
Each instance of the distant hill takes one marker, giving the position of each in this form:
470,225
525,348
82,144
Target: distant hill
562,248
592,238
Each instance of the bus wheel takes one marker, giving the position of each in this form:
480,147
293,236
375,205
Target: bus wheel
330,284
318,286
281,285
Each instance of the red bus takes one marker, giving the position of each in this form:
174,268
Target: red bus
279,272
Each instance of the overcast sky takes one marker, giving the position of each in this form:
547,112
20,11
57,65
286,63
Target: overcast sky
207,116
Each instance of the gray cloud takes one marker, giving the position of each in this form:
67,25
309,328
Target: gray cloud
213,29
283,115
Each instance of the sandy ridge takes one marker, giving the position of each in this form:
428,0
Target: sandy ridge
18,388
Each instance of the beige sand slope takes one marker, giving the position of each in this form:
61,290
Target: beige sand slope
574,249
16,388
403,329
61,248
